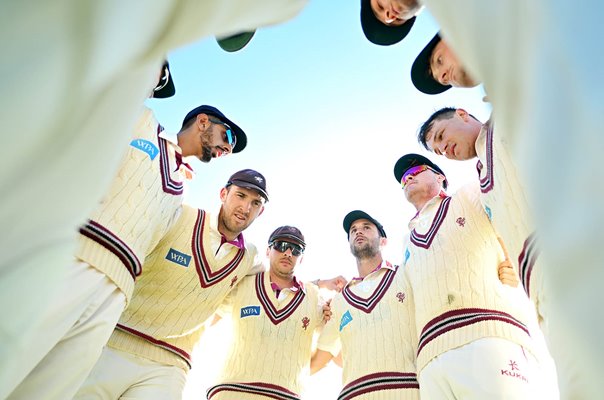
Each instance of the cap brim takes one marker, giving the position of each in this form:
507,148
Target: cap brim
289,238
249,185
411,160
236,42
168,90
358,214
420,71
379,33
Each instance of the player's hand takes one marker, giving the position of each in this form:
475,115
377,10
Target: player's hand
336,283
507,274
327,311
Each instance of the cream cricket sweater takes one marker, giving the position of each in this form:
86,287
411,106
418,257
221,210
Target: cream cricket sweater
272,341
137,209
373,324
505,202
186,278
452,262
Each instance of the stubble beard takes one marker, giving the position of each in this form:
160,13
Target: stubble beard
206,149
368,250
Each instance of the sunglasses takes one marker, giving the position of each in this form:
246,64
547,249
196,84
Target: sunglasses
282,247
229,136
413,171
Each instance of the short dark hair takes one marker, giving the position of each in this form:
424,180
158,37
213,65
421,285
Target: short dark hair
443,113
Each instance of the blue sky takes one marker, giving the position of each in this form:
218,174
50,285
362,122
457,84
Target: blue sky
327,114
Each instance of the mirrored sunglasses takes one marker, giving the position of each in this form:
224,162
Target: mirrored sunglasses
413,171
229,135
282,247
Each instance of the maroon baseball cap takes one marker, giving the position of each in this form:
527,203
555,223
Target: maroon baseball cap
288,234
249,179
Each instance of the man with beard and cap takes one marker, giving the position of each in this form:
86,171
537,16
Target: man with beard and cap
187,276
387,22
135,213
372,321
437,69
463,313
78,73
274,318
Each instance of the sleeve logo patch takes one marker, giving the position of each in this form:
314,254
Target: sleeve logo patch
487,209
346,319
146,147
407,255
249,311
179,258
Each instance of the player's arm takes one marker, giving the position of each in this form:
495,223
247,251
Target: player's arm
507,274
319,360
336,284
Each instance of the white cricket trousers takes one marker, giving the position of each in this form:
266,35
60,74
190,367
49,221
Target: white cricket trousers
67,334
121,375
489,368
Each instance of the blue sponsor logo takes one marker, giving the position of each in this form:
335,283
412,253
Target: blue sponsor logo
177,257
487,209
146,147
249,311
346,319
407,255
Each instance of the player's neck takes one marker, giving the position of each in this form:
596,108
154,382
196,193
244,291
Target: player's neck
282,282
365,266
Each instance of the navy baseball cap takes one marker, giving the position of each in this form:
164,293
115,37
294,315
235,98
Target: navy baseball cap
421,74
288,234
165,87
358,214
412,160
249,179
236,42
213,111
379,33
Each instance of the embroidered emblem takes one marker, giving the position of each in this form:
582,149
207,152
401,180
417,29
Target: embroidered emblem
487,209
146,147
510,372
233,281
259,179
305,322
407,255
400,296
177,257
346,319
461,221
249,311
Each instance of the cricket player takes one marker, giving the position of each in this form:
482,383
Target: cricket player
135,213
436,69
458,135
474,338
372,322
187,276
274,319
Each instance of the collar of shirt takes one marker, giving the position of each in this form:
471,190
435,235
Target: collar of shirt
433,202
296,285
186,169
238,242
384,264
